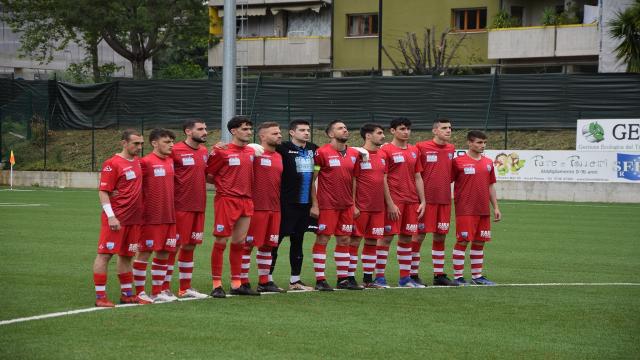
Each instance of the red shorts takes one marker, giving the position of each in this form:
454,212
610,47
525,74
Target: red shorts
369,225
437,218
227,211
189,227
123,242
473,228
158,237
406,224
264,228
335,222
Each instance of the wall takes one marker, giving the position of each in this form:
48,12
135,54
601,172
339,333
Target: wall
512,190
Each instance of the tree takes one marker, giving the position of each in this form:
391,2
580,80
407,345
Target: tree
432,58
135,29
626,27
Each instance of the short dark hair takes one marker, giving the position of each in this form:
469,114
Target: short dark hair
190,124
295,123
330,126
128,133
476,134
237,121
440,121
400,121
161,133
268,124
369,128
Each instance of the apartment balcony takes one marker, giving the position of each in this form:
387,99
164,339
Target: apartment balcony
219,3
277,51
543,42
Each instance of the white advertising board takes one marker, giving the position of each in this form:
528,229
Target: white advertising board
565,166
608,135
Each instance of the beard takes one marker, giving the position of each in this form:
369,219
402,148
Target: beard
199,140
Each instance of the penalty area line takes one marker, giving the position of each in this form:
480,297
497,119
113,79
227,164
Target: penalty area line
92,309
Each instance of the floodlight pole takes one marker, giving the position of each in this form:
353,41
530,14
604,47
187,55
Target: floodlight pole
228,68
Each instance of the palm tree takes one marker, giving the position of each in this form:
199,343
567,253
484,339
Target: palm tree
626,27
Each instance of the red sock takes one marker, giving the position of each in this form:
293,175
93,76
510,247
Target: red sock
158,272
217,257
353,259
458,260
185,267
342,259
368,258
404,259
415,257
263,258
246,263
126,280
476,254
382,252
319,260
167,278
100,283
437,257
139,275
235,262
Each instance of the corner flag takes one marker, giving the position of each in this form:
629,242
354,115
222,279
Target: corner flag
12,159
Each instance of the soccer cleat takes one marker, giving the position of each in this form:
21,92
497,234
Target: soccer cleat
270,287
345,284
299,286
443,280
125,299
382,282
169,295
407,282
355,284
416,279
144,299
460,281
323,285
482,281
191,293
244,290
372,285
218,293
162,298
104,302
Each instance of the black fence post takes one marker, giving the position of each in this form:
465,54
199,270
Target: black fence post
506,130
93,144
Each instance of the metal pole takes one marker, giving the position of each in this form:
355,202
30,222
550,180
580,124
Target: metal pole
46,136
493,85
93,144
506,130
228,68
380,37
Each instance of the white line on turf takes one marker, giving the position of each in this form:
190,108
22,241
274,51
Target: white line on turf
22,204
534,203
91,309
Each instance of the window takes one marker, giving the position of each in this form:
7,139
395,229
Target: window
469,19
517,14
362,25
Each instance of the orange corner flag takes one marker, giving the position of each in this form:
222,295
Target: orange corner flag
12,159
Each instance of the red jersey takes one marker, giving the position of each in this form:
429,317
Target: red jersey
436,171
122,179
232,170
370,182
157,189
472,179
190,181
402,165
335,180
267,177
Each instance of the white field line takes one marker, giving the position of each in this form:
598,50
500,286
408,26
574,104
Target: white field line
91,309
533,203
21,205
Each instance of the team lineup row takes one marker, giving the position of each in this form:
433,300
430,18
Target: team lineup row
155,205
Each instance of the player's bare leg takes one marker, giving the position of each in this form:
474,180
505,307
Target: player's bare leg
319,262
100,266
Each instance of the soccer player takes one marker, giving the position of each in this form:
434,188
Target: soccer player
474,189
189,163
405,201
369,204
436,156
295,197
120,194
265,222
159,229
231,171
332,204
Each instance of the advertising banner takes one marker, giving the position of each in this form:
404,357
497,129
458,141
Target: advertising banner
565,166
608,135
